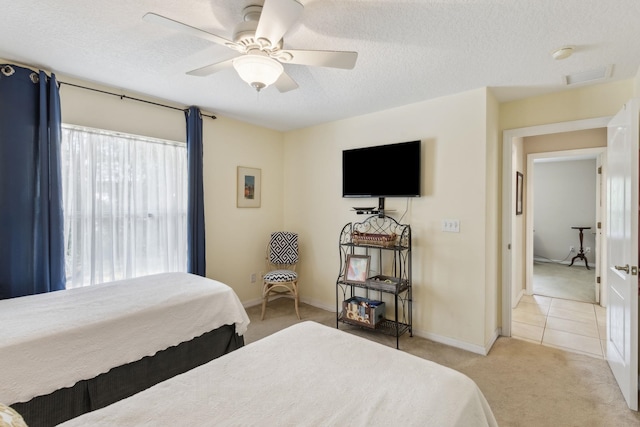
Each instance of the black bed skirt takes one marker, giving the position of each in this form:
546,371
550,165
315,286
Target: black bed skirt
126,380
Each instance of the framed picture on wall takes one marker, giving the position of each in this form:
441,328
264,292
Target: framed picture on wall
519,191
249,191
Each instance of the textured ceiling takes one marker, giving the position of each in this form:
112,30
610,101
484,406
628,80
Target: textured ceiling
408,51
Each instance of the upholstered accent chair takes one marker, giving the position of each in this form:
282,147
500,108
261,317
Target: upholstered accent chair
281,278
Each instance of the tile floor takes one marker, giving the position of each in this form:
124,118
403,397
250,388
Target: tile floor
570,325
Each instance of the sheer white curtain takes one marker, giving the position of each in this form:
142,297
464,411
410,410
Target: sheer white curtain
125,205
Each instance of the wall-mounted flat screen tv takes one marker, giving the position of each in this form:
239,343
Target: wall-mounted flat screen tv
391,170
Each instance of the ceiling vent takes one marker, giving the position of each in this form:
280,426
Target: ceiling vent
591,76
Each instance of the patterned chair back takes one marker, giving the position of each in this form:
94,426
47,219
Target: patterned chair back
283,248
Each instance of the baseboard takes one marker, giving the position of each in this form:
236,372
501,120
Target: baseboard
252,302
422,334
551,261
462,345
318,304
518,298
312,302
492,340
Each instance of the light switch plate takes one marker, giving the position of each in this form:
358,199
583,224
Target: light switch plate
451,225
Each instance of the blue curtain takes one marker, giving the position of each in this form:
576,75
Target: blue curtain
31,224
195,199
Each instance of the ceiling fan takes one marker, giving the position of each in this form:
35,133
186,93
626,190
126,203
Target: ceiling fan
259,43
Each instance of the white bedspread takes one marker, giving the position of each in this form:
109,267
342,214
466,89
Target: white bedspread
308,374
49,341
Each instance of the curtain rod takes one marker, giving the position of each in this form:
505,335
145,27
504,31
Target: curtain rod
132,98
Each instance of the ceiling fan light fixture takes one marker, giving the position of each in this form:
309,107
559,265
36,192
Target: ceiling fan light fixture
257,70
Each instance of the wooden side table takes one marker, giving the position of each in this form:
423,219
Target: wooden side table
581,254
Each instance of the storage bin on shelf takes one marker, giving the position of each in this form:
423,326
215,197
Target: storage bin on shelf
382,240
363,311
384,283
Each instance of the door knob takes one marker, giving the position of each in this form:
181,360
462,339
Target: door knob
625,268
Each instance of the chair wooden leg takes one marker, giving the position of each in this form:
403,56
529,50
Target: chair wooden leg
264,305
297,299
293,292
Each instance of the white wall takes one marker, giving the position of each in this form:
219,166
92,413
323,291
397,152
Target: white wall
93,109
235,238
563,141
586,102
518,240
493,224
450,270
457,288
564,197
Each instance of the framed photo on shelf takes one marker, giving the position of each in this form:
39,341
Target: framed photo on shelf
357,268
519,191
249,187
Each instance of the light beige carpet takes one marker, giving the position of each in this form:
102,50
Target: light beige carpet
526,384
561,281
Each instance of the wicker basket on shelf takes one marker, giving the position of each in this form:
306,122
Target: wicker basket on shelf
383,240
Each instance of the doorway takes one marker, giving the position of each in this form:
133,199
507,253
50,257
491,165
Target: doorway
564,210
513,232
622,146
558,306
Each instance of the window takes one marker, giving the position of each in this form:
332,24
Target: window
125,205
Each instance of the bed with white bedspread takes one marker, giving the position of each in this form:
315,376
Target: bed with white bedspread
56,340
307,374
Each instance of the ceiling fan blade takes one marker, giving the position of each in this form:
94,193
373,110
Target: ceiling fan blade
285,83
321,58
188,29
212,68
276,18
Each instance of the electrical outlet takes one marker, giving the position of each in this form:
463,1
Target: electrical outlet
571,249
587,249
451,225
253,277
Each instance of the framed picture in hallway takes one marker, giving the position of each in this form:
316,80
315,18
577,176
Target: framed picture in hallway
519,191
249,191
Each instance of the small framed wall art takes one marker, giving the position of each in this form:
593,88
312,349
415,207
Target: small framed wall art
357,268
249,187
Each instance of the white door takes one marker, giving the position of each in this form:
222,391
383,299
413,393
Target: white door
622,250
600,257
